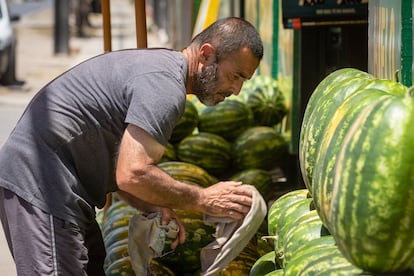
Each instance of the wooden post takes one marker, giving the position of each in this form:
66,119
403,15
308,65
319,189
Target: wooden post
141,35
106,17
140,24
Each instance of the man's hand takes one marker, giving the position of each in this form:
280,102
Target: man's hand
167,215
226,199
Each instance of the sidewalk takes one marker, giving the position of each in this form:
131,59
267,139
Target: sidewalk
37,64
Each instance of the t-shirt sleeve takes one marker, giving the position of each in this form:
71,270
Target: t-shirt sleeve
157,101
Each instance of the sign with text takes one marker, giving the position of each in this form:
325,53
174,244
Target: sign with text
308,13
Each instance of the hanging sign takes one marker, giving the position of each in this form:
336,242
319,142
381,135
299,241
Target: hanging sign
308,13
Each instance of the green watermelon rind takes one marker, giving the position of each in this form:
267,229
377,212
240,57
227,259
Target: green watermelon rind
206,150
259,147
228,119
277,208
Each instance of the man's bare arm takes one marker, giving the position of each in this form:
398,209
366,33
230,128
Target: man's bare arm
138,175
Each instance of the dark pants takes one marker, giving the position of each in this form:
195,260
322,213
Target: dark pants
42,244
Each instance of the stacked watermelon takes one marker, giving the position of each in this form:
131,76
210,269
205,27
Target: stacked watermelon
357,161
239,139
302,244
114,227
355,216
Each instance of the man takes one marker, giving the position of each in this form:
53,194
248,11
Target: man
102,127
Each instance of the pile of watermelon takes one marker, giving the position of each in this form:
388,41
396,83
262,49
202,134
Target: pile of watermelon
356,215
239,139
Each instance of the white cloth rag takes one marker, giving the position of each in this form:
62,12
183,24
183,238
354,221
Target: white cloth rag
146,237
232,236
146,240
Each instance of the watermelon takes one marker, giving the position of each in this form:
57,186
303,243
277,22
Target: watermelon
206,150
331,142
169,154
266,101
243,263
116,235
196,102
123,267
373,188
118,219
187,123
259,147
360,135
278,207
259,178
186,257
277,272
115,205
286,222
187,172
157,268
228,119
116,244
320,256
324,101
115,253
264,264
235,268
120,267
306,228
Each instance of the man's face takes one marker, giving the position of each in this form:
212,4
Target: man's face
206,84
216,81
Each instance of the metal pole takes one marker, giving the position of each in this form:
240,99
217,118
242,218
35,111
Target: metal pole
106,17
61,27
140,24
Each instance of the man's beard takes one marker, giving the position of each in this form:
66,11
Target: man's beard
205,84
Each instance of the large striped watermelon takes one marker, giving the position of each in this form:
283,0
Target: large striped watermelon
206,150
285,224
120,267
367,190
331,142
278,207
318,257
259,147
259,178
373,187
324,101
264,264
304,229
187,172
227,119
242,264
266,101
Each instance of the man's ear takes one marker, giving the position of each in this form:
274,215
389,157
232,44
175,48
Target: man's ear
207,54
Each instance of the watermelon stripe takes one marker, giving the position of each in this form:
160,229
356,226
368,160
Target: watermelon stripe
324,101
371,169
332,263
209,151
330,145
188,172
278,207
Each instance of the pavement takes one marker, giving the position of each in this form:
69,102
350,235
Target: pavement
37,64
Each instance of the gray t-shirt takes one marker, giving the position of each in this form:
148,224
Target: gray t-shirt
61,155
